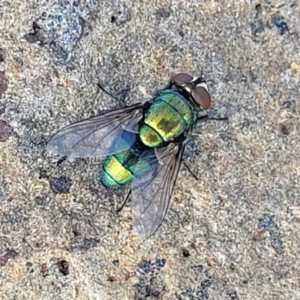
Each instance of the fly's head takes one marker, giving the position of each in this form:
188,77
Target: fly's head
194,88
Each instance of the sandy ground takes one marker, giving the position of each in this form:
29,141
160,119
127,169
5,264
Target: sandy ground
234,233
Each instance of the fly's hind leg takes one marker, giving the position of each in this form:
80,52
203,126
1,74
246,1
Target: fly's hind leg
61,160
190,171
124,202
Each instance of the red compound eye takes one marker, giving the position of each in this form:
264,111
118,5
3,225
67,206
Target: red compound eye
202,97
182,78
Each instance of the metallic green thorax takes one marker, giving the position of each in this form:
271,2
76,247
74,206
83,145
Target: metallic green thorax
169,115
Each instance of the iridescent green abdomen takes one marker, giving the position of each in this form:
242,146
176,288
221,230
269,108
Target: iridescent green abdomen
121,168
168,117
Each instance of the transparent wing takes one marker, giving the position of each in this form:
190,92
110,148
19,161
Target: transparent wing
95,136
151,193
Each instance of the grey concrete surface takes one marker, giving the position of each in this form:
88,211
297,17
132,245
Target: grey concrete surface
234,233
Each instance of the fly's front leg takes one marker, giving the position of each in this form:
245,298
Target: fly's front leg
202,117
169,85
211,116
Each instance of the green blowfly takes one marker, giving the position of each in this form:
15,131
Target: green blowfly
142,145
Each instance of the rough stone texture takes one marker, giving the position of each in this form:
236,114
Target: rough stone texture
234,233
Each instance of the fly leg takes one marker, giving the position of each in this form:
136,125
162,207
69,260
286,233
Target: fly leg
61,160
186,165
169,85
219,119
124,202
191,172
119,96
202,118
210,116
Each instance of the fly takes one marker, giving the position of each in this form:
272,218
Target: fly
142,146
